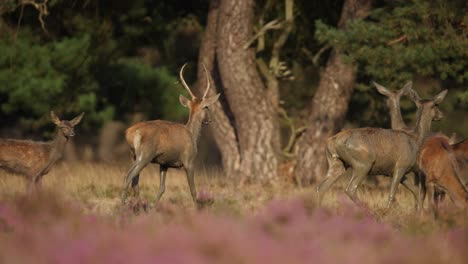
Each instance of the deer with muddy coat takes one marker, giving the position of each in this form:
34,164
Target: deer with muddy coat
169,144
377,151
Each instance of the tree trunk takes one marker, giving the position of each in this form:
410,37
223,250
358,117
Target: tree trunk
254,113
329,104
222,126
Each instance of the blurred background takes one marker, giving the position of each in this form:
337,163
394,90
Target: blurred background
118,61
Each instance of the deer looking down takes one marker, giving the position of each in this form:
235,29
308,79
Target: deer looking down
169,144
34,159
378,151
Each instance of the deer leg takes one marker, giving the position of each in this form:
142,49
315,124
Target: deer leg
333,164
359,174
136,189
162,182
413,189
191,183
133,172
397,176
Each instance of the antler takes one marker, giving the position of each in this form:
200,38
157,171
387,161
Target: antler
184,83
207,82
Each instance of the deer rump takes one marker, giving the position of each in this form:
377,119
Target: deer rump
168,142
23,157
374,149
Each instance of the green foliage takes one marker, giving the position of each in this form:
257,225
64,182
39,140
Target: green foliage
133,86
403,40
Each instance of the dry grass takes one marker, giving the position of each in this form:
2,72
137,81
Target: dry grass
97,187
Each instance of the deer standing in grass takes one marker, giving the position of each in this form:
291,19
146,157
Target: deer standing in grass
34,159
171,145
396,122
437,167
378,151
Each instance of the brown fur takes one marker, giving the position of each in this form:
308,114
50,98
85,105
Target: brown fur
34,159
377,151
461,153
169,144
437,161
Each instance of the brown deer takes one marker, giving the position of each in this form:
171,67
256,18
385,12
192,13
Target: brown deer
396,122
34,159
171,145
378,151
439,167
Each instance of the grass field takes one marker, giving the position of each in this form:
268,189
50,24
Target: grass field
80,215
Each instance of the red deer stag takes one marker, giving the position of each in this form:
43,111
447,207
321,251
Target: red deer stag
35,159
378,151
171,145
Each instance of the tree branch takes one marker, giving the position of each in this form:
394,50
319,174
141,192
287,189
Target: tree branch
41,8
272,25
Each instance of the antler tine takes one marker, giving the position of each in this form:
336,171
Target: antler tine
207,81
183,81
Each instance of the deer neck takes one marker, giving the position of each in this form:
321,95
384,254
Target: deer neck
58,145
194,125
395,116
423,126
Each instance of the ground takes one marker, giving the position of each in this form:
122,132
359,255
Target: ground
79,212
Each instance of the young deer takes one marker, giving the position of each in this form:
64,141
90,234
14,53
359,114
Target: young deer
378,151
171,145
35,159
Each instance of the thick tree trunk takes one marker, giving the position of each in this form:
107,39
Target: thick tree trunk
254,113
222,126
329,104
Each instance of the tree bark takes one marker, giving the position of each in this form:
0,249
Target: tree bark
254,113
222,127
329,104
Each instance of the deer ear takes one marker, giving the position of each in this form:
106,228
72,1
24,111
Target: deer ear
55,119
184,101
210,100
75,121
413,95
407,86
381,89
440,97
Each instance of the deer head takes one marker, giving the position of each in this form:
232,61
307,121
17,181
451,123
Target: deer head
197,106
428,107
66,127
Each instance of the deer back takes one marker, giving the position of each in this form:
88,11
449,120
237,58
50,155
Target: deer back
23,156
377,146
170,143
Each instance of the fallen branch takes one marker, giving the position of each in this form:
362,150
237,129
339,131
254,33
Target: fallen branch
272,25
